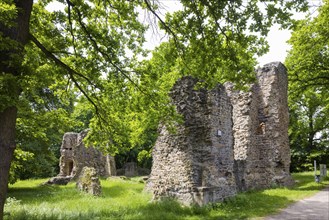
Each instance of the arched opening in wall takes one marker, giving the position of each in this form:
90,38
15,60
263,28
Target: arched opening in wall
68,167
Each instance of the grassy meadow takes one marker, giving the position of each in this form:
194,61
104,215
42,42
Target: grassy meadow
125,199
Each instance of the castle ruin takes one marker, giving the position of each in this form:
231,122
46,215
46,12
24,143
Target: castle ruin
229,141
75,155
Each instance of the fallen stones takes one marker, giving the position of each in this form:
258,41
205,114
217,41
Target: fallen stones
59,180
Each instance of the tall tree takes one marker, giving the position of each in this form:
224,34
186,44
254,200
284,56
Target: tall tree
94,46
86,42
309,129
14,35
307,64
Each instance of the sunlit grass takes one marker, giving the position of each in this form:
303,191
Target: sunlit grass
265,202
125,199
52,201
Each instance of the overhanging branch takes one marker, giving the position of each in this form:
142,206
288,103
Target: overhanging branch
105,55
72,73
148,5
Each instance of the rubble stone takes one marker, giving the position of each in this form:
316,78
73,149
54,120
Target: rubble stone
59,180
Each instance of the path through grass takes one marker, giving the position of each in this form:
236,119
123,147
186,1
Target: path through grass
125,199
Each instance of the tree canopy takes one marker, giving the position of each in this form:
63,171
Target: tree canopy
308,60
307,64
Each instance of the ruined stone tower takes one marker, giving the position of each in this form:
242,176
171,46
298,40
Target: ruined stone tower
75,156
195,165
229,141
260,130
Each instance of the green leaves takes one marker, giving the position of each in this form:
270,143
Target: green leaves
8,12
307,64
218,40
8,91
308,59
16,165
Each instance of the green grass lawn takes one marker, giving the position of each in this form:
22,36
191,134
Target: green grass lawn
125,199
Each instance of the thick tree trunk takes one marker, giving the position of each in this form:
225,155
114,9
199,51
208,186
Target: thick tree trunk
7,147
10,65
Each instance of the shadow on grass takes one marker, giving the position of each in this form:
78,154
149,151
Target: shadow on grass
44,193
54,193
27,191
306,182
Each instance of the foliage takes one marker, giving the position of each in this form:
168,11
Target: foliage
7,12
125,199
46,111
93,41
307,64
308,131
218,40
20,157
308,59
213,41
99,42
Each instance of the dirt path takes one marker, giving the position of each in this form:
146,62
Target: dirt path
312,208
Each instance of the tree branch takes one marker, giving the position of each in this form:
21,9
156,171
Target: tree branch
70,4
72,73
148,5
216,20
104,54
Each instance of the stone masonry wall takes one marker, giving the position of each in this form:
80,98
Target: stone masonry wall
260,126
273,82
230,140
75,155
195,165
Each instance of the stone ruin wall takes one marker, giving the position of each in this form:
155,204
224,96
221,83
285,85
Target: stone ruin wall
75,155
260,125
230,140
195,165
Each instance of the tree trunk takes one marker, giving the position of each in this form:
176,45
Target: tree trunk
311,132
10,64
7,147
